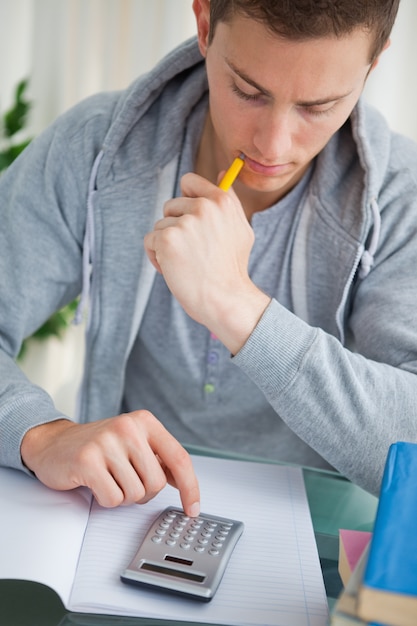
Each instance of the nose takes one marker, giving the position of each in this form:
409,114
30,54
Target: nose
273,136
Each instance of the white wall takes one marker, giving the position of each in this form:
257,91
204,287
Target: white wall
393,85
73,48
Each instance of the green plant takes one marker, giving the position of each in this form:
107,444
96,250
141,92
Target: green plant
13,123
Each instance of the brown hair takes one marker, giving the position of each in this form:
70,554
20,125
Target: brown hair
310,19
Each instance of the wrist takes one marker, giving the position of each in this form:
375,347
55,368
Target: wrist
38,437
237,315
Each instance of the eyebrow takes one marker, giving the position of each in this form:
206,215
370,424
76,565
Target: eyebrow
266,92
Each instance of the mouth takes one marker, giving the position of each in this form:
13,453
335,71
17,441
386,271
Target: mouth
267,170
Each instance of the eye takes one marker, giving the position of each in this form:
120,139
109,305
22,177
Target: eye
314,111
243,95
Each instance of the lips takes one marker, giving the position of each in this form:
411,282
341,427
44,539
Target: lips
267,170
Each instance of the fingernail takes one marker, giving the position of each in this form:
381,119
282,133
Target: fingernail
195,509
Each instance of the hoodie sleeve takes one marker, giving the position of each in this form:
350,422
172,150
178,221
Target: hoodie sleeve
350,405
43,197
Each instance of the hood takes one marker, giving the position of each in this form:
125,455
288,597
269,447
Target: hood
146,122
179,78
354,167
342,208
145,134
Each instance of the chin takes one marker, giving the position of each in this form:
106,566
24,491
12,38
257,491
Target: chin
265,184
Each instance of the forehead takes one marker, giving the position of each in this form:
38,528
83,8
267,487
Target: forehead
273,61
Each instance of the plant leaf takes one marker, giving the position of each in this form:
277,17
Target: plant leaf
54,326
11,153
15,118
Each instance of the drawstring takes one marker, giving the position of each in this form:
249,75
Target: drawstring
88,243
367,259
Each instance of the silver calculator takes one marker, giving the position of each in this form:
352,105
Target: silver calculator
185,555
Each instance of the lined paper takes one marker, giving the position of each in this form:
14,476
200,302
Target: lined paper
41,531
273,577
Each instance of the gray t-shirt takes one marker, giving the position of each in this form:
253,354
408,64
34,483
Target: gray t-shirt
183,374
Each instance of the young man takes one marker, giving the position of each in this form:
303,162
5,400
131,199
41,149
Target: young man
275,319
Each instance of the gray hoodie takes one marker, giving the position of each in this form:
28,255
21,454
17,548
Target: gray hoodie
340,369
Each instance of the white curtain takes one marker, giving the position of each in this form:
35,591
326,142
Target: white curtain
72,48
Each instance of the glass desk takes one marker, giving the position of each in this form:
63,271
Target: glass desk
334,503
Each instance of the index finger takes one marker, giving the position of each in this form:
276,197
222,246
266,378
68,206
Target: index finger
180,467
196,186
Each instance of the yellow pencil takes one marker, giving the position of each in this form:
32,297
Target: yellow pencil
232,173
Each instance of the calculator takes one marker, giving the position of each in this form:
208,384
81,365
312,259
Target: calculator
184,555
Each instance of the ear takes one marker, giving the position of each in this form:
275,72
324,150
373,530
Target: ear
201,10
375,63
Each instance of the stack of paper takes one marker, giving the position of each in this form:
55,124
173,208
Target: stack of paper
352,544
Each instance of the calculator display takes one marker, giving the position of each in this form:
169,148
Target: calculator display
153,567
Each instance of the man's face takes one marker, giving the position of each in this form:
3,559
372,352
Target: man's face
279,101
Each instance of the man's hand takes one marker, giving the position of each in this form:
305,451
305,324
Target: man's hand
202,248
123,460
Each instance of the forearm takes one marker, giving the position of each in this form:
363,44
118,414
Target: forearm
348,408
22,406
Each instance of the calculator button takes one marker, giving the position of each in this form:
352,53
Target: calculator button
170,542
213,552
178,526
223,533
188,537
199,548
217,544
156,539
206,533
220,538
185,546
160,531
203,541
164,524
174,535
